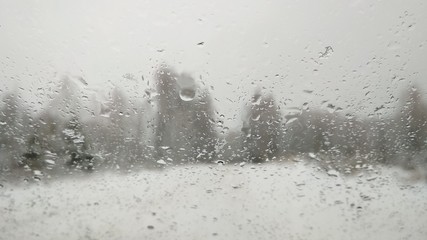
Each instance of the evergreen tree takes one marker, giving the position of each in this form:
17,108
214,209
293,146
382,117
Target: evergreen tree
184,130
14,130
77,146
264,119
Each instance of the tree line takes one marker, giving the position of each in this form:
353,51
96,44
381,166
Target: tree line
176,123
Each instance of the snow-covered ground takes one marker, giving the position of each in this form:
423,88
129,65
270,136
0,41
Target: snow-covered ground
270,201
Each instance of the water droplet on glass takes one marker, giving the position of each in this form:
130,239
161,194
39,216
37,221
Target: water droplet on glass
328,52
333,173
371,178
129,76
151,93
220,162
161,162
329,107
82,80
305,106
256,117
291,119
51,162
365,197
187,94
256,99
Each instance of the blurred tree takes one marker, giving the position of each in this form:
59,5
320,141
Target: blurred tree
185,129
413,130
203,129
414,120
32,157
14,130
263,129
168,103
77,146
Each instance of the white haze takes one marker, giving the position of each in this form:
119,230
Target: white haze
232,46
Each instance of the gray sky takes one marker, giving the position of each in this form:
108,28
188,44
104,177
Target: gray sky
274,44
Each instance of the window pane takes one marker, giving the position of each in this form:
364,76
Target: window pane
229,120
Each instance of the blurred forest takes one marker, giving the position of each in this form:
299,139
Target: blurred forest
176,123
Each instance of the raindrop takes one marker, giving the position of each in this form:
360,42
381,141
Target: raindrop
129,76
256,99
365,197
291,119
333,173
328,52
187,94
161,162
48,161
37,173
220,123
371,178
82,80
256,117
305,106
220,162
379,108
151,93
330,107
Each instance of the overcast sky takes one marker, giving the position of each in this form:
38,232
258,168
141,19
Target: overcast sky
378,47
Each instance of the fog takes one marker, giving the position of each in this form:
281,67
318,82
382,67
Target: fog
233,47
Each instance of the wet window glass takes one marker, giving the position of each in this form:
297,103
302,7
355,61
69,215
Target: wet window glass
213,120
